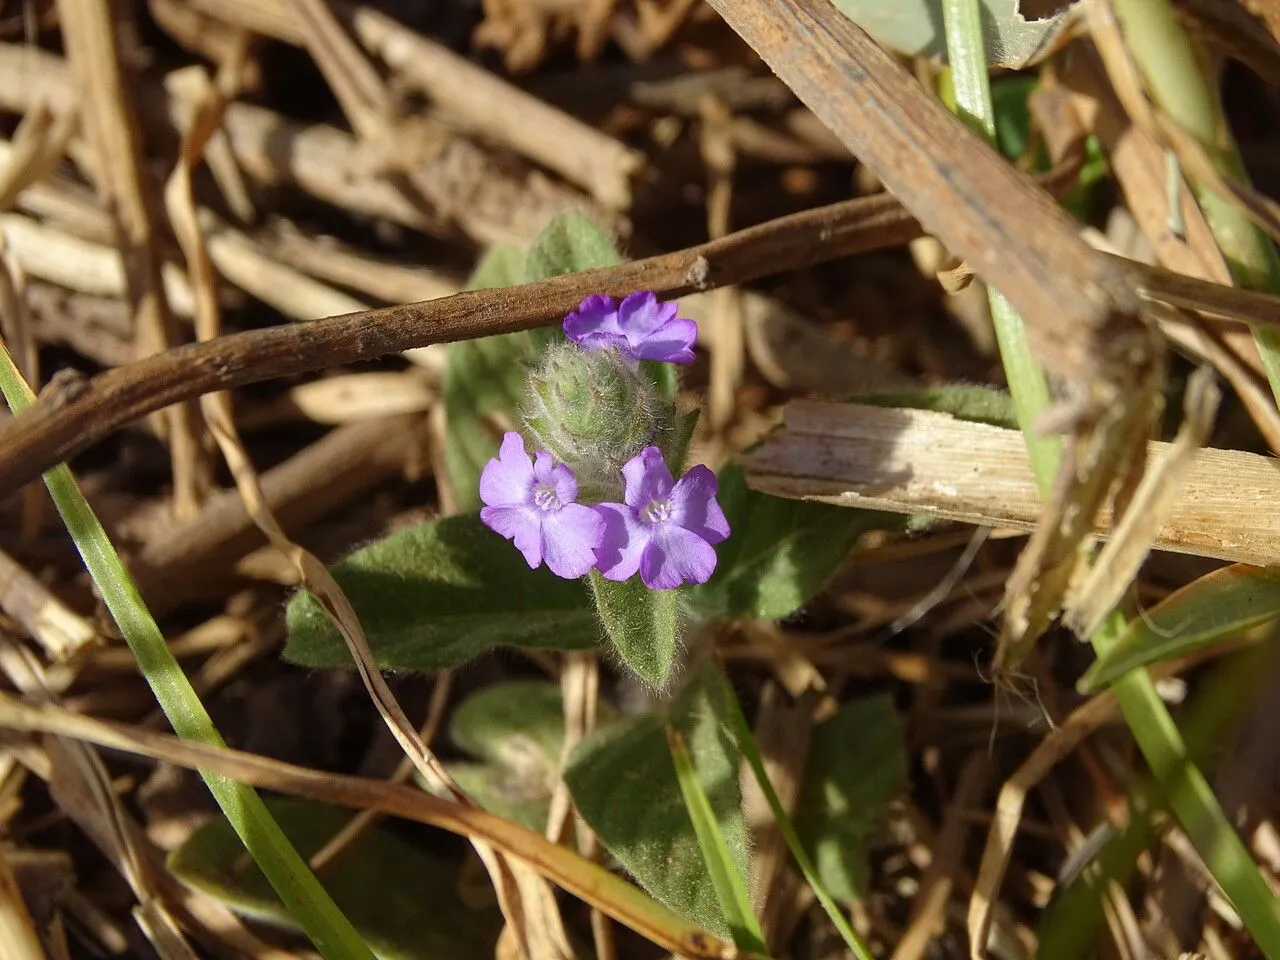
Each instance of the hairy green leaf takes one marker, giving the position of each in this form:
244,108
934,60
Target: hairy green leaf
624,784
642,624
965,401
572,242
501,266
516,731
676,449
780,553
386,885
857,764
439,594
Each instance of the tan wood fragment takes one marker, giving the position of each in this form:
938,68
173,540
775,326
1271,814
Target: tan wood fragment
921,462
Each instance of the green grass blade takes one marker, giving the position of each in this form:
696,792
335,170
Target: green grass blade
296,885
730,888
1222,604
747,744
1192,800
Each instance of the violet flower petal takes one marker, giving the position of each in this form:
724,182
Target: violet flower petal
508,478
623,541
674,556
647,478
671,343
641,314
694,505
531,502
570,536
521,525
641,327
596,314
592,342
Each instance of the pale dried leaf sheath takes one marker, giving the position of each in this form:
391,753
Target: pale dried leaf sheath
1080,309
921,462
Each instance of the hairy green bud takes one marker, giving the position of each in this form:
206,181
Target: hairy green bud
594,412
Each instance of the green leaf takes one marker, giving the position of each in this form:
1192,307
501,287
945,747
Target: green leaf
914,28
727,879
964,401
642,624
484,386
676,450
1010,95
508,722
857,765
664,376
570,243
439,594
1220,605
624,785
501,266
516,730
394,892
780,553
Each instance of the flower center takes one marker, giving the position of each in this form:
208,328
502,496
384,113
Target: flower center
657,511
544,497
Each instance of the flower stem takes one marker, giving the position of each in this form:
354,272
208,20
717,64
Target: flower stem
287,872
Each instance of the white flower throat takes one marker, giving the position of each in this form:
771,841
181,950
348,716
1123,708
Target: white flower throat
544,496
656,511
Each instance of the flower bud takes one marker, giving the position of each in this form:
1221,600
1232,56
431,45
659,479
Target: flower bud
594,411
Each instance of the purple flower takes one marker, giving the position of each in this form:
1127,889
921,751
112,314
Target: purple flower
641,327
665,529
531,503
